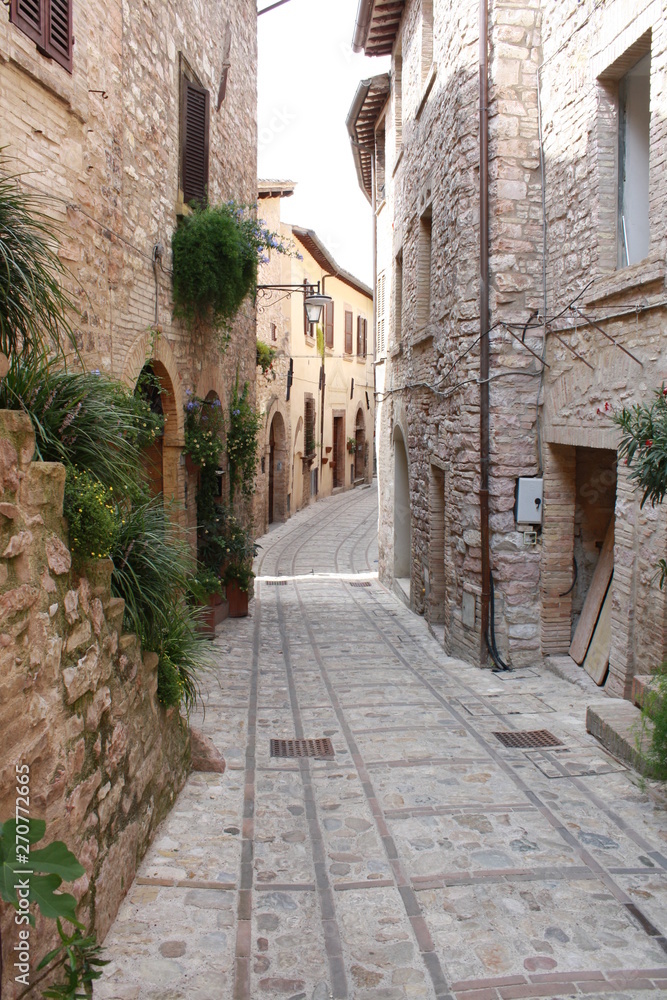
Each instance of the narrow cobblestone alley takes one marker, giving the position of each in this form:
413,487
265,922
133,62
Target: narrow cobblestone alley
426,859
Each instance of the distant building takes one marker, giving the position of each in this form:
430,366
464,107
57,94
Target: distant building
318,399
577,210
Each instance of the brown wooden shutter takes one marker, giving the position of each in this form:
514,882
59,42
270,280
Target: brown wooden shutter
329,324
195,122
365,338
359,335
349,321
29,16
59,32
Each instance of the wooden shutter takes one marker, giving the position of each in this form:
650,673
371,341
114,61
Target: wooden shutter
329,324
195,121
359,336
29,16
59,32
349,321
364,337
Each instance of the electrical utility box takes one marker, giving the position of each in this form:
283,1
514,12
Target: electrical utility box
528,506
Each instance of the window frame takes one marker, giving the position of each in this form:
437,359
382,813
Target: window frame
43,37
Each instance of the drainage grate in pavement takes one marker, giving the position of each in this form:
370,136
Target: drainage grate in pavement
361,583
529,738
322,748
276,583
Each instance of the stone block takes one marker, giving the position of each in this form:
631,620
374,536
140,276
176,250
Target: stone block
80,635
99,705
80,799
618,725
43,488
14,601
18,544
115,878
205,756
57,555
83,677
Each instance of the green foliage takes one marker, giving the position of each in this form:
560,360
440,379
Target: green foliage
216,251
241,572
151,573
644,445
80,958
33,306
223,540
244,424
265,356
654,711
203,423
91,515
83,419
50,865
203,584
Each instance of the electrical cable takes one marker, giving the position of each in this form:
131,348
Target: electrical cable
574,582
499,663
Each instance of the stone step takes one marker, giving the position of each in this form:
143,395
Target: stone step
642,684
618,725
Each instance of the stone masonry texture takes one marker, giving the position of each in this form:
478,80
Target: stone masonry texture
555,64
78,700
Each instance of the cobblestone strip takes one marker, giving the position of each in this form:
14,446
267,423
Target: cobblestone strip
621,897
244,910
401,881
557,984
332,939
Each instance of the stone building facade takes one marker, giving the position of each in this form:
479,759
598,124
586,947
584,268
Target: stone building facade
104,139
576,124
317,438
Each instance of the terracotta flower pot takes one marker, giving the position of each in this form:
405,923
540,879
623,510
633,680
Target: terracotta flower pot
217,609
237,598
191,466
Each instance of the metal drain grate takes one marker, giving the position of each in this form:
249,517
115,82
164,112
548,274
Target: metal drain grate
276,583
530,738
361,583
322,748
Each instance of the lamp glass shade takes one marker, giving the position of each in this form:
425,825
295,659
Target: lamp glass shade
314,305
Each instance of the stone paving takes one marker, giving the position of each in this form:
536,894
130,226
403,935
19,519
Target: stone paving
426,860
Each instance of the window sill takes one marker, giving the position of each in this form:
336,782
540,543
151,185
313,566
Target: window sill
71,88
348,357
428,87
647,272
422,336
396,351
182,210
380,205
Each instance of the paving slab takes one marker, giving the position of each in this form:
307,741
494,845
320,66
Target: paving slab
427,859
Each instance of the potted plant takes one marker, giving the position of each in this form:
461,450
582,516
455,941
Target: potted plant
238,577
206,592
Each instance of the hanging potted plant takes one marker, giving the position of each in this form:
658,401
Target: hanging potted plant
351,445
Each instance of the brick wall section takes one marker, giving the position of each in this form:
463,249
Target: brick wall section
557,551
78,700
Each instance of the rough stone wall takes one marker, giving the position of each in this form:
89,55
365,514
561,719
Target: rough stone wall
104,145
587,48
436,173
77,699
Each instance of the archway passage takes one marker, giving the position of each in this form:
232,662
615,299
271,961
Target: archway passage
159,458
360,449
277,470
401,510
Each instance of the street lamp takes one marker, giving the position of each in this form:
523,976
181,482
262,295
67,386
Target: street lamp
314,301
314,305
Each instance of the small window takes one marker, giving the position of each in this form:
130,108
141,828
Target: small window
362,327
349,322
424,271
380,140
329,324
195,114
274,332
379,303
398,297
49,24
634,119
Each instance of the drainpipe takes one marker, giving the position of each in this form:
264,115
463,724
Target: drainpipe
484,318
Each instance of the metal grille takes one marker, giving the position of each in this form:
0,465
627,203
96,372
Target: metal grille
322,748
276,583
361,583
530,738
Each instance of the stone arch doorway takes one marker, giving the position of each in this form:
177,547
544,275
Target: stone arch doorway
402,526
277,470
360,449
161,457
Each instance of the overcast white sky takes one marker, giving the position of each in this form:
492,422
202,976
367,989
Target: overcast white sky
308,76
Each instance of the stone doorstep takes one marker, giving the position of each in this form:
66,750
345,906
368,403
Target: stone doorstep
617,724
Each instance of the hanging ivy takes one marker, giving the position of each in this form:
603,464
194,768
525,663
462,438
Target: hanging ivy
244,424
216,252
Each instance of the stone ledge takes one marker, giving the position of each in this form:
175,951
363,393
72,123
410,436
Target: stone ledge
617,724
643,684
